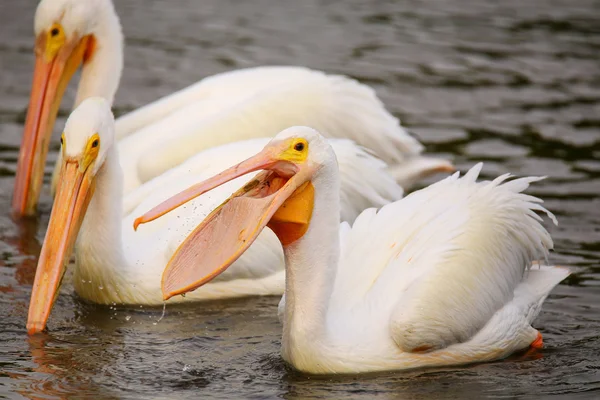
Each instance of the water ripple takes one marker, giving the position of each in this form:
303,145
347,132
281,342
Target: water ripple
513,83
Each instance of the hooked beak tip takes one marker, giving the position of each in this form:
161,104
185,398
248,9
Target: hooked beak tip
137,223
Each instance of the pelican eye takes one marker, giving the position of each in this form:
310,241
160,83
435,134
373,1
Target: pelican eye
55,41
62,140
95,143
299,146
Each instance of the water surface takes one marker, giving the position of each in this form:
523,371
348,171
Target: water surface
515,84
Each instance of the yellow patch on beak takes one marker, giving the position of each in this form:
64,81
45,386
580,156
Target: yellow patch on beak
290,222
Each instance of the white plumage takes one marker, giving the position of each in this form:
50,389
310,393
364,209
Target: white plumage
443,264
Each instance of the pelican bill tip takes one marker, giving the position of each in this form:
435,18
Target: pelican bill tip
35,327
137,222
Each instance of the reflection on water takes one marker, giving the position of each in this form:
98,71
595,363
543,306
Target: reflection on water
28,246
52,375
516,84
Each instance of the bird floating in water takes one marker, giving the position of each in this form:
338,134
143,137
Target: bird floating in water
224,108
441,277
115,265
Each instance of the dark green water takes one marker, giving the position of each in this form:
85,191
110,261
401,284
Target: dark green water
513,83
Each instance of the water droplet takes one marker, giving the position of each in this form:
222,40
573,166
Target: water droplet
163,313
83,281
127,318
101,287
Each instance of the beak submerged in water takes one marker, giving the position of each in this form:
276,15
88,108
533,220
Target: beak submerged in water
75,190
281,197
56,60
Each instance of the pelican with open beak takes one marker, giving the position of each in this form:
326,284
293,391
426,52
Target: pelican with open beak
281,198
437,278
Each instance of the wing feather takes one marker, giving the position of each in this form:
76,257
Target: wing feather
451,254
231,85
334,105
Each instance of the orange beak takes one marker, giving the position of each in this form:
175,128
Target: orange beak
75,190
260,161
281,198
50,79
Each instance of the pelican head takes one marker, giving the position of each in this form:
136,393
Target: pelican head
281,197
68,33
88,135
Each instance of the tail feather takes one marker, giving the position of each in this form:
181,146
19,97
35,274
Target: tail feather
371,124
416,168
536,286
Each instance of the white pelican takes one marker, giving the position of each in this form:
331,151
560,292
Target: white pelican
440,277
224,108
114,265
